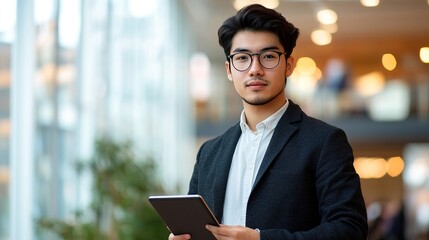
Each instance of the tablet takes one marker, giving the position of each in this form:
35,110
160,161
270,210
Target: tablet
185,214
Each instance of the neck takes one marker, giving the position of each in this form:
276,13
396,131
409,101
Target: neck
258,113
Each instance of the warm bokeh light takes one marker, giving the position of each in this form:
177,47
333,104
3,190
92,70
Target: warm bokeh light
302,86
370,84
239,4
305,66
331,28
370,167
424,54
46,74
303,81
374,168
4,128
4,175
389,61
66,74
378,168
395,166
370,3
4,78
327,16
321,37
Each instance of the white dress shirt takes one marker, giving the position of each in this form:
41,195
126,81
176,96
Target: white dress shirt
247,159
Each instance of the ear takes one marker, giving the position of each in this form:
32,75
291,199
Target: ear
290,65
228,70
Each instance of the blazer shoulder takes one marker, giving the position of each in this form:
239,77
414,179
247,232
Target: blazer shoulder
309,123
228,138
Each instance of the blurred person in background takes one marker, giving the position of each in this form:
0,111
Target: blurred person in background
278,173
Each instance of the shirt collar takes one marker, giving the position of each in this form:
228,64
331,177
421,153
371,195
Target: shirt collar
270,122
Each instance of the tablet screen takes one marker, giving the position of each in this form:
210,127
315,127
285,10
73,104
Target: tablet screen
185,214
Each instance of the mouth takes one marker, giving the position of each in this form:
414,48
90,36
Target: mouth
256,84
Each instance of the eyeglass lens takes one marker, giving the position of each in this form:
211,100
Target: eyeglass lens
242,61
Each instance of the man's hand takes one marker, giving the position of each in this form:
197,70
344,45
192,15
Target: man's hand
225,232
179,237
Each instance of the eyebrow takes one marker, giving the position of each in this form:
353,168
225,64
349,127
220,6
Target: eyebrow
247,50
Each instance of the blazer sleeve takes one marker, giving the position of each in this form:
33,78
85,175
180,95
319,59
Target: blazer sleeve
342,209
193,183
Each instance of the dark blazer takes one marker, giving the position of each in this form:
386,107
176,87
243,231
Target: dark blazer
306,187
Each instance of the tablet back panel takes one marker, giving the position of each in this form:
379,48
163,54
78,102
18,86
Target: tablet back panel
185,214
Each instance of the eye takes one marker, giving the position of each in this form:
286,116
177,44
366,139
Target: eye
241,57
269,55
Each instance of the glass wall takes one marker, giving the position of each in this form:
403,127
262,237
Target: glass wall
7,23
83,70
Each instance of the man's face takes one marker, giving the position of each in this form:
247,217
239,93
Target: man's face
258,85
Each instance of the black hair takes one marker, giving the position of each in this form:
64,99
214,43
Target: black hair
256,17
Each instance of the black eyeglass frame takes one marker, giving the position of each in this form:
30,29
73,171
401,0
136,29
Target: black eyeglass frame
259,60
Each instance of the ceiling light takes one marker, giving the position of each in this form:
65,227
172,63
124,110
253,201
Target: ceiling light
370,3
388,61
239,4
327,16
321,37
424,54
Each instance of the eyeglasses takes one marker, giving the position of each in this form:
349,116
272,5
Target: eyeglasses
268,59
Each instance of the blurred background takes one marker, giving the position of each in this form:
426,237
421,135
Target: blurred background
152,73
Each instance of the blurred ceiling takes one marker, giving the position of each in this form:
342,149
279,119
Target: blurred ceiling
400,27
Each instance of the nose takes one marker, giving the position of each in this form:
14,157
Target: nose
256,67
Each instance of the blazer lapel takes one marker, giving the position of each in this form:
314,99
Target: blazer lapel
283,132
226,152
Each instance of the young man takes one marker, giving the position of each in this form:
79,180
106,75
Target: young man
278,174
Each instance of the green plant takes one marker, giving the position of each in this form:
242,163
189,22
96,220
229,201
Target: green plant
119,209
